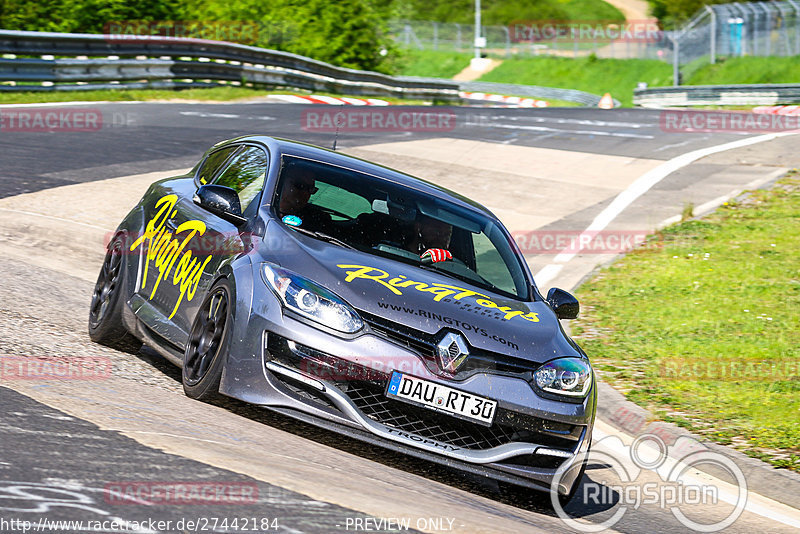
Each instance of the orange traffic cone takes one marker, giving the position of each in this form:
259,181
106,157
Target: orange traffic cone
606,102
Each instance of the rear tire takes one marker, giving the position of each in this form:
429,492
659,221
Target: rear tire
207,348
105,310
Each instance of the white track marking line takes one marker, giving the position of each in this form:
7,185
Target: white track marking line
205,114
61,219
638,188
582,122
572,132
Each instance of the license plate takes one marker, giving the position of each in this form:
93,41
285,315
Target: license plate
441,398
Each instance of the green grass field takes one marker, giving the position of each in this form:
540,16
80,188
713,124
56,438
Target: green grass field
748,70
703,325
504,12
616,76
432,63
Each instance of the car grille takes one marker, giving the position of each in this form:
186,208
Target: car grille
369,397
366,389
424,344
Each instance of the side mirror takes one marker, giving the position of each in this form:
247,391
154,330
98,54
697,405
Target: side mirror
564,304
221,201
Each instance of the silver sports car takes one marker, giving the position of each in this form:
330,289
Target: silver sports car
359,299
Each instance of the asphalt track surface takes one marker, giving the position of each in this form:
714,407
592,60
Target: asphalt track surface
64,443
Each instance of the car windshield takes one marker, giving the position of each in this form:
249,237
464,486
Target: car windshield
383,218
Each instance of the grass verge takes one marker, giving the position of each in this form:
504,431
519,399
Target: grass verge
747,70
432,63
616,76
212,94
703,325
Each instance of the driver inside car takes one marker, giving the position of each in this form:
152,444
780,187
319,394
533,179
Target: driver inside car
298,186
429,233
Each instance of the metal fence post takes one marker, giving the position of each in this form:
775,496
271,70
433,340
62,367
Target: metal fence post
436,36
796,25
458,37
508,40
783,29
713,13
767,27
676,66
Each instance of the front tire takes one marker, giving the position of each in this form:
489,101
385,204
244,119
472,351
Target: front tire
105,311
207,348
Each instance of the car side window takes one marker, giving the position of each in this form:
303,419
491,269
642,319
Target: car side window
490,265
245,174
212,164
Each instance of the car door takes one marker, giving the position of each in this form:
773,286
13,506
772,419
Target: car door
183,260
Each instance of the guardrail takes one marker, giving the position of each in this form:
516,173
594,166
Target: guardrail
720,95
103,61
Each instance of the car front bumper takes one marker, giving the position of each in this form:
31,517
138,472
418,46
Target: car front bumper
338,382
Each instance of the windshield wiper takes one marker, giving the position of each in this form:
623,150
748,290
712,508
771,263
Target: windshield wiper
454,276
324,237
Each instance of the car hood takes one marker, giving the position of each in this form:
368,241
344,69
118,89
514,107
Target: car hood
421,299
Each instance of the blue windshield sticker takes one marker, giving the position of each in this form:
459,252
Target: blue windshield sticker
292,220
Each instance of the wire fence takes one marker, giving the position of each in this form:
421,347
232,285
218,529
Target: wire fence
640,39
715,32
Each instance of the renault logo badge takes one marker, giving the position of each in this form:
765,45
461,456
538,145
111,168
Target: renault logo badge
451,352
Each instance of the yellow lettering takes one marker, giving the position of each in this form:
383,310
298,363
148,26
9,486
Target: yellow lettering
190,281
368,273
440,290
164,250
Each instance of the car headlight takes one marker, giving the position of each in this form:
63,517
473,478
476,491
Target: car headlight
311,300
564,376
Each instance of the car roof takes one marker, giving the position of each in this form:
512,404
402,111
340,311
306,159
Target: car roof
309,151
